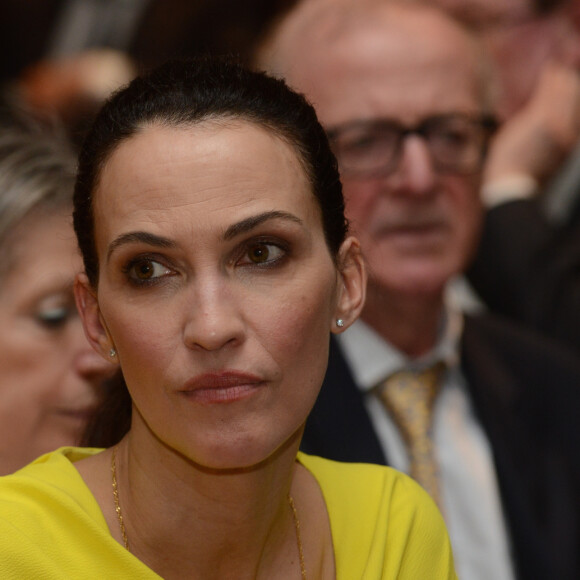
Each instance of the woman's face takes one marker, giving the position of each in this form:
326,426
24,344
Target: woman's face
216,288
50,373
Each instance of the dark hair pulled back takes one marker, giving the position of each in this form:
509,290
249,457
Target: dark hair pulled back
185,93
182,93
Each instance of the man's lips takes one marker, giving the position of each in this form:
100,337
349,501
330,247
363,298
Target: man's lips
222,387
411,228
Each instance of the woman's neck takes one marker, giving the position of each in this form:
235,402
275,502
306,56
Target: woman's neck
185,521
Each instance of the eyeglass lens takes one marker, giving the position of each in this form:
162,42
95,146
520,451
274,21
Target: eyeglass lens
456,143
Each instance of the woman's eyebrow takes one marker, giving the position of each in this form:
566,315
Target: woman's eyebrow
250,223
232,231
140,237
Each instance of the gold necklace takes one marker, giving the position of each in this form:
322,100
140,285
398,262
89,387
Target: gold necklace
116,498
298,536
124,532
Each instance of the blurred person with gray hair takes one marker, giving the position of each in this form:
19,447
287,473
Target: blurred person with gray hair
50,377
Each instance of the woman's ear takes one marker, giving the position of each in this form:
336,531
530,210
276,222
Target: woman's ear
88,307
352,284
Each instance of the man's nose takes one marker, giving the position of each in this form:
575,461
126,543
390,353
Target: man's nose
415,173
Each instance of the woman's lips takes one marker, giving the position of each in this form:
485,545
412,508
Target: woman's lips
222,387
76,414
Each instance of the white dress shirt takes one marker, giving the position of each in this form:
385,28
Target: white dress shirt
469,490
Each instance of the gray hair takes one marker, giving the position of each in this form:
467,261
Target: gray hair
37,170
329,20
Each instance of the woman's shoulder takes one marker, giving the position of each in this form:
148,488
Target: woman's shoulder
53,464
50,484
335,477
61,456
55,470
52,527
363,488
375,510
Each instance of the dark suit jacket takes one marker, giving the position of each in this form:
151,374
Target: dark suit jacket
526,393
527,269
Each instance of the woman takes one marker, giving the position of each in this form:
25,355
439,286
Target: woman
50,377
209,213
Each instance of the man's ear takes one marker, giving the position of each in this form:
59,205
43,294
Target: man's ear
88,307
352,285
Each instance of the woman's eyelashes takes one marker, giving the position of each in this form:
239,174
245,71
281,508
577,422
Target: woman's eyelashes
55,316
262,253
145,270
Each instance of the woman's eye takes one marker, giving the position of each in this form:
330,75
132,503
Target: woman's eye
262,253
145,270
54,318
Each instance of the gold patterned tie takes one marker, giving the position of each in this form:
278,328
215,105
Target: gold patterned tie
409,398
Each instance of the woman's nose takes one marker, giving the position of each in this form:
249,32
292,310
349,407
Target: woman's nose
213,320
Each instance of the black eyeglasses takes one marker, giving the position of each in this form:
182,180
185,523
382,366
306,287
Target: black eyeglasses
457,143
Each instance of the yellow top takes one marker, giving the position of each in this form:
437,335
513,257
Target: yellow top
383,524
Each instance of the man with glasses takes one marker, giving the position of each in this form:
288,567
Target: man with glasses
528,262
407,100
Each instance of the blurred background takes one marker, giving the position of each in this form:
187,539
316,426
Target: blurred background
63,57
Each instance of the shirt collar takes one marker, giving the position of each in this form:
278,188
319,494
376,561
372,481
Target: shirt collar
372,358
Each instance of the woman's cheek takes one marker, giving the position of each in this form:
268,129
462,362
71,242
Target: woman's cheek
301,328
146,336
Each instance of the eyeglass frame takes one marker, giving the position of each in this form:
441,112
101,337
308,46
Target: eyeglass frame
486,122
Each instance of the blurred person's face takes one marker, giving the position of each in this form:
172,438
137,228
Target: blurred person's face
418,224
49,373
519,40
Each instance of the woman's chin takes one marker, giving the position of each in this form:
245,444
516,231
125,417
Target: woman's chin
242,455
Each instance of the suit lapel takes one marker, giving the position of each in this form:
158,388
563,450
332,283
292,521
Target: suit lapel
534,495
339,427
